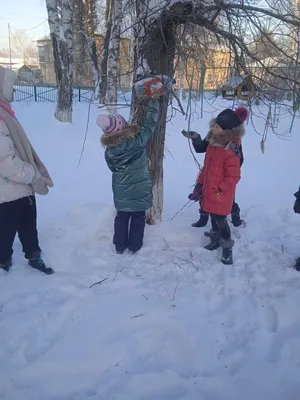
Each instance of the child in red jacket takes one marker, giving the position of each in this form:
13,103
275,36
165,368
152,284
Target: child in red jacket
200,146
219,176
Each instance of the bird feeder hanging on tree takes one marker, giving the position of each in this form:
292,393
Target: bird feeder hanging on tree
158,85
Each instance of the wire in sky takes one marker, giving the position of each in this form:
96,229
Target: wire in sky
33,27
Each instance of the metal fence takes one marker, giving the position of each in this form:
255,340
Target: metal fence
48,93
275,82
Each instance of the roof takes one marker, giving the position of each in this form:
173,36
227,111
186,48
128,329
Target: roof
40,41
234,81
269,62
17,62
6,60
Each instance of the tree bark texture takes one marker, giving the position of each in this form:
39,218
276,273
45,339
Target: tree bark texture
104,59
114,56
79,53
61,32
85,46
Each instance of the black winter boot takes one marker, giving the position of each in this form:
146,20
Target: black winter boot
37,262
135,251
214,243
120,249
297,265
202,220
227,252
6,265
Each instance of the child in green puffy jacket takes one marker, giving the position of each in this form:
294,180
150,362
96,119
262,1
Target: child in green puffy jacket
126,157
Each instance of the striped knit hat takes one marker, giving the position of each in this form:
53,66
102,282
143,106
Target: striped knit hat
111,123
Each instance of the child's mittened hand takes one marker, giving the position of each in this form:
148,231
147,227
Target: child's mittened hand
197,193
297,206
191,134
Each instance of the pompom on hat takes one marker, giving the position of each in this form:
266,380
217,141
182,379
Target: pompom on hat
111,123
229,119
242,114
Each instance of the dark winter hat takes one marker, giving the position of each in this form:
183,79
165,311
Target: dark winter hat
229,119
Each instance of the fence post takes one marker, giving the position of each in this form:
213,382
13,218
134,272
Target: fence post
202,87
79,94
35,96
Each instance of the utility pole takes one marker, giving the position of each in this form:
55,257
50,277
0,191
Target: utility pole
9,42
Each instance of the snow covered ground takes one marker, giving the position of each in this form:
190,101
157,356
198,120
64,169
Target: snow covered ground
172,322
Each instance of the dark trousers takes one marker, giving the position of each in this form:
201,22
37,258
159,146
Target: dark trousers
219,224
18,217
235,210
129,230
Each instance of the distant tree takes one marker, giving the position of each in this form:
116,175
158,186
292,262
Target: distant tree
22,47
60,17
113,60
85,20
105,50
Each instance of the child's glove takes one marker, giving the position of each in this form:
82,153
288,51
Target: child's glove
297,202
191,134
197,193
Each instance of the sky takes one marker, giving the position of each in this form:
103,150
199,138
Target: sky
23,15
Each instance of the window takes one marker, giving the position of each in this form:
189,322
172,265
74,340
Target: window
44,53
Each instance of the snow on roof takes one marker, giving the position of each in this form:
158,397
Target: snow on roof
17,63
44,38
235,80
18,66
6,60
268,62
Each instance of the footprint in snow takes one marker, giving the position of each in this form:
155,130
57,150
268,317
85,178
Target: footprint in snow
270,317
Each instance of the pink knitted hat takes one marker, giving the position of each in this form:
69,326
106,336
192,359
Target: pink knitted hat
111,123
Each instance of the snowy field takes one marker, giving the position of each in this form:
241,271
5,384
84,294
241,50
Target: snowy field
172,322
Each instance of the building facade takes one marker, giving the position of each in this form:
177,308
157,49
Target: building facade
82,63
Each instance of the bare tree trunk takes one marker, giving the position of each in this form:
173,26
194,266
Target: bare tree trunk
154,54
79,53
85,21
181,76
61,32
103,83
95,67
156,156
90,16
90,22
114,55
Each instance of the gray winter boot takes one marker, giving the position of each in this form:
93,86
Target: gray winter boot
227,251
37,262
203,220
214,243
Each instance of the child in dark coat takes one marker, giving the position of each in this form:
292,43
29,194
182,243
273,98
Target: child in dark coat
220,175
